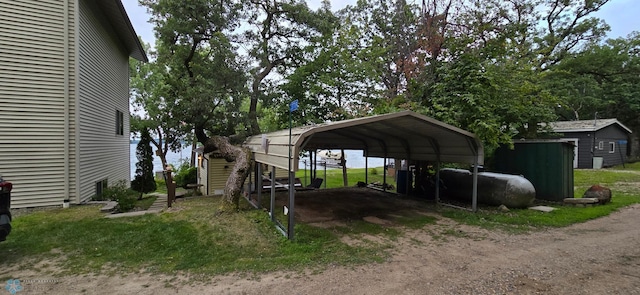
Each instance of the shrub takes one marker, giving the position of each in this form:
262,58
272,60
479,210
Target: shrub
186,175
126,202
120,193
373,171
112,192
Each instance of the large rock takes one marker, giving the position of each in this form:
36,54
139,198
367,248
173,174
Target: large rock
603,194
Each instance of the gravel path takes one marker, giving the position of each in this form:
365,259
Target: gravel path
597,257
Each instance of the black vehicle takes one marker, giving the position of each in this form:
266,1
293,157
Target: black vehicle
5,205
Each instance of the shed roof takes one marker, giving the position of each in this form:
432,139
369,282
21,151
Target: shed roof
402,135
119,20
585,125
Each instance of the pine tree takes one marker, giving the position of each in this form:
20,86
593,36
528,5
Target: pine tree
143,181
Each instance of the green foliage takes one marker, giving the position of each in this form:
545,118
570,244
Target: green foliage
293,39
202,79
161,186
488,77
186,175
373,171
602,78
144,181
120,193
112,192
126,201
498,76
151,108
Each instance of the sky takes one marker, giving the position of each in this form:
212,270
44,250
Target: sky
621,15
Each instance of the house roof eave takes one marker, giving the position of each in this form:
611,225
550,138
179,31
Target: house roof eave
117,16
590,128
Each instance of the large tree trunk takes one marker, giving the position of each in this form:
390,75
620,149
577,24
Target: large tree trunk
239,172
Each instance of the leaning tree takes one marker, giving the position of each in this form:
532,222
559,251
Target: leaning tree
204,77
199,44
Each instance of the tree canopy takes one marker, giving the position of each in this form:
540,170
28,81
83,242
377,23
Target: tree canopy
496,68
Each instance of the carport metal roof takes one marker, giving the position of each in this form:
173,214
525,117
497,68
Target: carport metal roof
401,135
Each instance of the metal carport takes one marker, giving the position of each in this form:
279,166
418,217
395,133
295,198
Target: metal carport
402,135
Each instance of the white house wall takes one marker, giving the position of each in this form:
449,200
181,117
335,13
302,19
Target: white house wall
217,174
103,72
32,95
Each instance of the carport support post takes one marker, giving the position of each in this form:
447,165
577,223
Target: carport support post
292,185
292,194
249,191
437,181
314,164
273,193
259,183
474,196
366,170
325,174
408,178
384,175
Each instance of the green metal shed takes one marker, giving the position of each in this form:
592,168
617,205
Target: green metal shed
548,164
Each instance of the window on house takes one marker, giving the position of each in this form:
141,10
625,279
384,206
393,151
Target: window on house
601,145
101,186
119,123
612,147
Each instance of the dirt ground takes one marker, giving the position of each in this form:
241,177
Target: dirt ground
597,257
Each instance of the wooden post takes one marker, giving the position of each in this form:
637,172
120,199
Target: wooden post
171,187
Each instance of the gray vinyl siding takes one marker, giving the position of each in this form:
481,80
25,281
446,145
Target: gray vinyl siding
103,72
585,154
613,134
32,88
608,134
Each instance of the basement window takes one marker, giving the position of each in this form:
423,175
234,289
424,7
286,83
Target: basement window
101,186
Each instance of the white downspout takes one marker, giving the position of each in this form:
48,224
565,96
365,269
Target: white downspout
76,100
67,126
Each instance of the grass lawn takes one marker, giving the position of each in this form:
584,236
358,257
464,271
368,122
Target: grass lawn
146,202
334,179
194,238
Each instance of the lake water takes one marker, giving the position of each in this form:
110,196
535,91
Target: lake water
172,158
354,159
